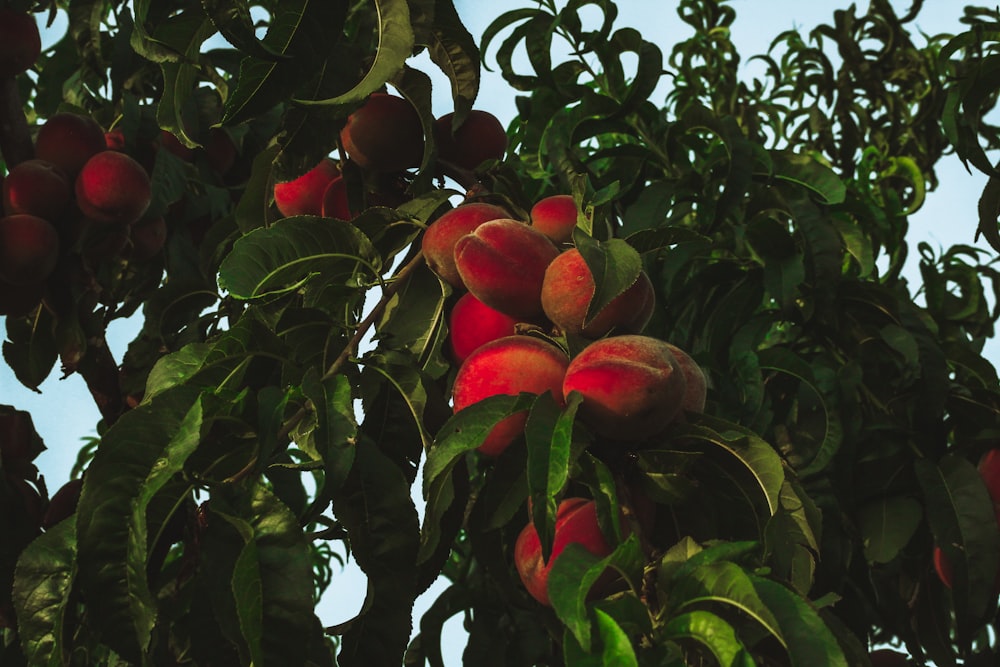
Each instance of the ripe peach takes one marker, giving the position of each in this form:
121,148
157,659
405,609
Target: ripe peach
632,386
112,188
63,503
503,263
384,135
36,187
480,137
68,140
568,288
696,386
508,366
472,324
438,243
555,217
170,142
335,203
146,238
29,249
20,42
576,523
304,195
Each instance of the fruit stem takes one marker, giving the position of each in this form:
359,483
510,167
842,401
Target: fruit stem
15,137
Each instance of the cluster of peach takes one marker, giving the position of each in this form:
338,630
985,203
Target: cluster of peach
384,137
514,273
989,471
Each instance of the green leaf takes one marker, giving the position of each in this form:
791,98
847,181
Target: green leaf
806,171
285,256
453,49
30,349
43,580
887,525
614,264
710,631
335,433
809,641
184,33
233,21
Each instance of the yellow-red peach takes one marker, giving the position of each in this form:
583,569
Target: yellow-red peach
632,386
384,135
472,324
20,42
556,217
503,263
508,366
29,249
304,195
112,188
696,386
438,242
68,140
568,288
480,137
36,187
576,523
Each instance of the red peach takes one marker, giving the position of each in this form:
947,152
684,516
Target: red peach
36,187
508,366
146,238
480,137
472,324
335,203
170,142
63,503
568,288
503,263
304,195
438,242
29,249
112,188
68,140
632,386
696,385
556,217
20,42
384,135
576,523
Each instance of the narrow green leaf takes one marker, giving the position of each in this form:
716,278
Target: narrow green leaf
806,171
335,434
233,21
809,641
614,264
887,525
710,631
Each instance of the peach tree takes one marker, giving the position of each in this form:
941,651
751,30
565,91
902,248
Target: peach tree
647,358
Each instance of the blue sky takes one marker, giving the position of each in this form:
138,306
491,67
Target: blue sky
64,412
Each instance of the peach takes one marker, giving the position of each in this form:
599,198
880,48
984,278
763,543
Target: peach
568,288
384,135
576,523
68,140
438,243
632,386
112,188
170,142
304,195
503,263
146,238
36,187
220,151
556,217
508,366
696,386
29,249
472,324
20,42
480,137
63,503
335,203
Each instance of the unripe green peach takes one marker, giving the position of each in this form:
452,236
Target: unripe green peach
632,386
68,140
438,242
304,195
696,385
36,187
481,137
20,42
508,366
472,324
576,523
384,135
556,217
568,288
29,249
503,263
112,188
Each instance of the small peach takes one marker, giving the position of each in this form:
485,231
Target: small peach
503,263
112,188
335,202
304,195
568,288
632,386
508,366
146,238
556,217
20,42
696,385
438,242
68,140
472,324
36,187
29,249
384,135
480,137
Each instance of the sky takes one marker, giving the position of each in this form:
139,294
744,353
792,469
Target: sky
64,413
